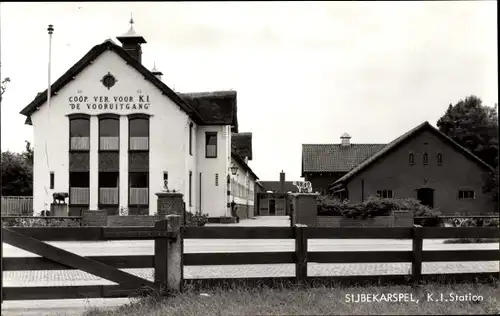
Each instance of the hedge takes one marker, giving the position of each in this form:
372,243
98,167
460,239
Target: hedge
375,206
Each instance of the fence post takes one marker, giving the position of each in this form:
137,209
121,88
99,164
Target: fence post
168,256
161,267
174,254
300,253
416,264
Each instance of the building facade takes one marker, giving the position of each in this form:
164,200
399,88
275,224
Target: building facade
424,164
272,200
323,164
113,134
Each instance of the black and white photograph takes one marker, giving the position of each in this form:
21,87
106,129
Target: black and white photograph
249,158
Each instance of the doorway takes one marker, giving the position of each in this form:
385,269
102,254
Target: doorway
426,196
272,207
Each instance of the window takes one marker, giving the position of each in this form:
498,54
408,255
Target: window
440,159
51,180
108,188
385,194
108,179
79,131
138,134
466,194
80,127
190,188
79,188
138,180
426,158
411,158
211,145
109,133
191,139
79,179
216,179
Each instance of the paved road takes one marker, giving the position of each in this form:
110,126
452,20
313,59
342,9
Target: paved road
76,277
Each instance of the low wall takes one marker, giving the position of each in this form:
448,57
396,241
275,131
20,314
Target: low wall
101,218
396,219
339,221
132,220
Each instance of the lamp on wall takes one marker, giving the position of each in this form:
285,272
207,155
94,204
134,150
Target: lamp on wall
234,169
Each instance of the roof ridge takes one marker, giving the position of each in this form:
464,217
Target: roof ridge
400,140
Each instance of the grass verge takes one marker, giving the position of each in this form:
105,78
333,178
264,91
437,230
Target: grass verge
472,241
295,300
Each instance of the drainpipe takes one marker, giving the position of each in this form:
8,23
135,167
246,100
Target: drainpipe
362,190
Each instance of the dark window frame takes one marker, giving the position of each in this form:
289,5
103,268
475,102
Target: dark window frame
52,180
74,186
463,194
411,158
425,158
104,117
99,189
190,139
134,117
78,117
208,136
381,193
190,188
439,159
129,187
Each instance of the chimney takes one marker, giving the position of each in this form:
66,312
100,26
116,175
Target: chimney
345,139
155,72
131,42
282,182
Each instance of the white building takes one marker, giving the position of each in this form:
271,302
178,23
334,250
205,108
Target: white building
113,132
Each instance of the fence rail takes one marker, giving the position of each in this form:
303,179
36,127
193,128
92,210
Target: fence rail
301,256
165,256
17,205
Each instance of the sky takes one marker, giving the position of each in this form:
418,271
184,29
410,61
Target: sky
304,72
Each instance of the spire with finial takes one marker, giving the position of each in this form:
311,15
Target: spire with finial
156,72
131,41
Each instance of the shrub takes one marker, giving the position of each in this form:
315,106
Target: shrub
375,206
196,219
40,222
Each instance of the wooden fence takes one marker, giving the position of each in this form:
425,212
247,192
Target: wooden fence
169,257
17,205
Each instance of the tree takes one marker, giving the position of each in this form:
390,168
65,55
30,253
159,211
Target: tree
3,87
475,127
17,175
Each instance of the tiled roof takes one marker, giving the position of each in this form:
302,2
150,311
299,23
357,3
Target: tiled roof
401,140
217,107
335,157
242,144
276,186
205,108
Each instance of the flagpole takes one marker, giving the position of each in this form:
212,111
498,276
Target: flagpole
50,29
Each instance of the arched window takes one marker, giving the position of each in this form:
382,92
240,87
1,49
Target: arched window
138,133
440,159
426,158
109,133
79,133
411,158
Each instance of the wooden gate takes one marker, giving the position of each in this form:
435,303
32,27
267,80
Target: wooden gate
106,267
